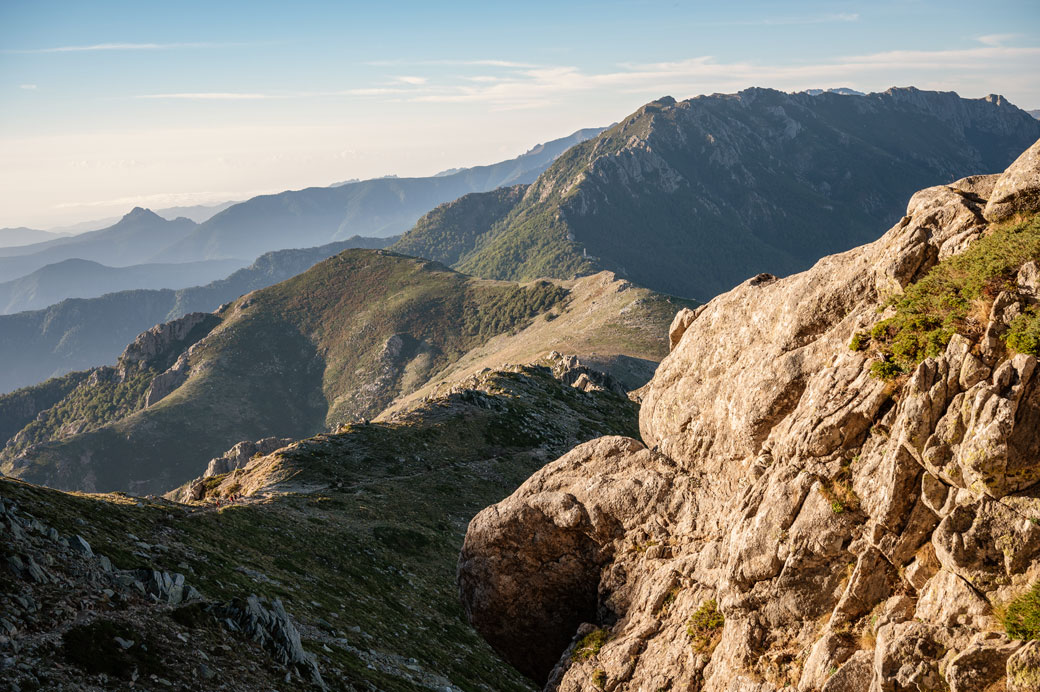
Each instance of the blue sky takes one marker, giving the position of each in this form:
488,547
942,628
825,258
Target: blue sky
105,105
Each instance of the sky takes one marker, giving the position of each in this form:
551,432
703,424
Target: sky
109,105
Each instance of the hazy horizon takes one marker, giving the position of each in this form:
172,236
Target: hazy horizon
107,109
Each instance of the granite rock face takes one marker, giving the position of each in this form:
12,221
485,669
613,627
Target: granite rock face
791,521
1018,189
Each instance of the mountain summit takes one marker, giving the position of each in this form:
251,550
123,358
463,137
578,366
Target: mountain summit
693,197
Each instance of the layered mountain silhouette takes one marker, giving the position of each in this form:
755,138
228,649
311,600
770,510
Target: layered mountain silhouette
342,340
11,237
78,333
134,239
693,197
380,207
85,279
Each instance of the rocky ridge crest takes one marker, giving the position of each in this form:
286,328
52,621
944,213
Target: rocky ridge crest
792,521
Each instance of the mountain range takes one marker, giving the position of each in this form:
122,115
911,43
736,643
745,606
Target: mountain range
134,239
10,237
78,333
828,484
340,341
305,218
85,279
379,208
692,197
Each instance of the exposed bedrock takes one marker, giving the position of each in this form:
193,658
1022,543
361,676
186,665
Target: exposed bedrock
793,521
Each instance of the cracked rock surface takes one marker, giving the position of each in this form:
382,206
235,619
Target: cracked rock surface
791,521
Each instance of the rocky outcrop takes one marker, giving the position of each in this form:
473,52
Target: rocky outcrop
239,455
569,369
792,521
1018,189
275,631
235,458
159,347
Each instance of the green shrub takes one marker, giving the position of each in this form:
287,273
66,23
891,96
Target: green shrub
885,369
590,644
859,341
838,490
599,678
1021,617
705,627
1023,334
954,297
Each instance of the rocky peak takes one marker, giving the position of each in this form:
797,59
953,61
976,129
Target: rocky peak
139,215
793,520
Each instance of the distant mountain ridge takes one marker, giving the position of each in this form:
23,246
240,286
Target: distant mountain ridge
337,342
379,207
134,239
78,278
693,197
11,237
77,334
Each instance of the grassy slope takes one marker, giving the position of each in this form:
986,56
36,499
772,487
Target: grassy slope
610,325
291,359
452,229
365,557
21,407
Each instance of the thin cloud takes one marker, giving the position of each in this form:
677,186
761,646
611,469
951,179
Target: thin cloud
27,87
471,63
208,96
531,88
997,39
822,19
539,86
100,47
161,200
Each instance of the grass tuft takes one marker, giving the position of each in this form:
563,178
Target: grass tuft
955,297
705,627
1021,617
590,644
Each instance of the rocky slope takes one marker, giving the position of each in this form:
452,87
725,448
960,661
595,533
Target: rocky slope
76,334
336,568
693,197
838,487
338,342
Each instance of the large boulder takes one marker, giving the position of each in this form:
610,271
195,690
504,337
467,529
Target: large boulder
1018,190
